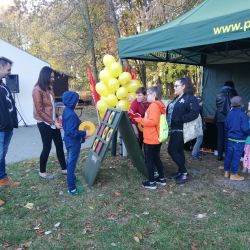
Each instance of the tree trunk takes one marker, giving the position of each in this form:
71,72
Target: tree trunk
83,4
116,27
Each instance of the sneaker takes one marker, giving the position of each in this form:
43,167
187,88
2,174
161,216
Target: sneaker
7,182
149,184
161,181
1,202
76,191
47,176
175,175
226,174
183,178
236,177
64,171
156,175
194,158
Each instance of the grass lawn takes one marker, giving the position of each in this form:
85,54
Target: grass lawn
209,212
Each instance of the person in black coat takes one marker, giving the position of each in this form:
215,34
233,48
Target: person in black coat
8,121
184,108
223,107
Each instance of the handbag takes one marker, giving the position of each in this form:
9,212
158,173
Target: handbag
193,129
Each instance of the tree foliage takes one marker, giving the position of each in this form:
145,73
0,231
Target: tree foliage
70,34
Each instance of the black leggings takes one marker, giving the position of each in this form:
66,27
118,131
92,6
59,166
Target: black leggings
48,134
152,157
176,150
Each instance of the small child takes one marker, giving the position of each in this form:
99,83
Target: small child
237,130
246,161
152,145
72,138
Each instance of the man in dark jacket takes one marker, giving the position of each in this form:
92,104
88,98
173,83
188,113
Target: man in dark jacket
222,108
237,130
8,121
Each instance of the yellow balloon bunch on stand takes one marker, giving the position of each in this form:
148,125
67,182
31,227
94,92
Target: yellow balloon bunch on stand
116,87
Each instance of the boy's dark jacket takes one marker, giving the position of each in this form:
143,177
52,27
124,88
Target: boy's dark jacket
237,124
186,109
70,120
8,113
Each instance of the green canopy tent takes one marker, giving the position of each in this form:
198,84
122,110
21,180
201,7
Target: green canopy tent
215,35
215,32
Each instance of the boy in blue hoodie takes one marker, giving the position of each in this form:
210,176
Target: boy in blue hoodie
237,130
72,137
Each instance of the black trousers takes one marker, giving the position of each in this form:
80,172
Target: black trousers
48,134
152,157
221,138
176,150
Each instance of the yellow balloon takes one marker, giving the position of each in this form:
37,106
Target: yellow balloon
104,98
122,93
133,85
101,106
105,75
115,69
113,84
111,100
108,60
123,105
102,114
125,78
102,89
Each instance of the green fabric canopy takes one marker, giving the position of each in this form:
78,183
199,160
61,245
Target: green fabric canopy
215,32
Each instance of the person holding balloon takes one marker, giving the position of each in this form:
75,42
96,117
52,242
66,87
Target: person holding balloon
152,145
72,138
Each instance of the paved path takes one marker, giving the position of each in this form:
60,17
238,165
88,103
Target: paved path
26,144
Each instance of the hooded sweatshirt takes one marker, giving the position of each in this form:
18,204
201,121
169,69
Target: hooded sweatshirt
8,113
70,120
151,122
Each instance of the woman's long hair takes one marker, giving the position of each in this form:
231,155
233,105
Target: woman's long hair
189,87
44,79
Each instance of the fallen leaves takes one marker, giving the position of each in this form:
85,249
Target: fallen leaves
201,216
29,205
138,237
115,194
87,228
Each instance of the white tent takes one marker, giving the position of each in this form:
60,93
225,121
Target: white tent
27,67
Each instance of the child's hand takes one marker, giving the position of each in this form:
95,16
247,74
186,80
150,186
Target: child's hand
58,125
87,134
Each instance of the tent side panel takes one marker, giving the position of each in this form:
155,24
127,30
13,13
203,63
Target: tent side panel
214,78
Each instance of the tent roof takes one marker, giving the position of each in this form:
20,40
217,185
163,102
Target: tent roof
213,32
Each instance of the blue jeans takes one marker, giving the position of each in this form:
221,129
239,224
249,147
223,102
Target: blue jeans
233,154
5,138
197,146
73,151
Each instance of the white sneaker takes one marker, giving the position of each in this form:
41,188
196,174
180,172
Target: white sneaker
64,171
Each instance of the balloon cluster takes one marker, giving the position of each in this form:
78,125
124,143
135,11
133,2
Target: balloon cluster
115,87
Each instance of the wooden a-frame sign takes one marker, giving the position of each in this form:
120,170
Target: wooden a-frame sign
113,119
